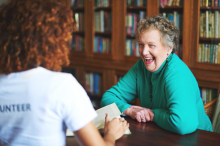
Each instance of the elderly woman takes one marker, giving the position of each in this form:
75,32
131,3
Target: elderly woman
168,91
37,104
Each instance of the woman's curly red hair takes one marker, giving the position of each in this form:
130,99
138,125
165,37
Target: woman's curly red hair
34,33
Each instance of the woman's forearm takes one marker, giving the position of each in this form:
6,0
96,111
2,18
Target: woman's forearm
109,140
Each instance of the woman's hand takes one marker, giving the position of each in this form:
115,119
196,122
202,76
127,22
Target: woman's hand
115,127
139,113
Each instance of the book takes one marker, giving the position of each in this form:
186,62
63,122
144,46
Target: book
99,121
200,51
216,23
216,117
207,23
218,56
91,77
204,95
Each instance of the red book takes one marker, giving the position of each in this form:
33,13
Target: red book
216,3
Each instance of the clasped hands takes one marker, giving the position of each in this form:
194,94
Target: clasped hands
141,114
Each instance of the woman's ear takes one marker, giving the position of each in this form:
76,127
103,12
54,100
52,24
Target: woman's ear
170,49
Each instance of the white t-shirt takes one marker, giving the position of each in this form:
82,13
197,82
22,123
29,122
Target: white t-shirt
38,105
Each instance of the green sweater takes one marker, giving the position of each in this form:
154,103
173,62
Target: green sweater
176,100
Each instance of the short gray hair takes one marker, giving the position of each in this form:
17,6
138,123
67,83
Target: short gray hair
169,32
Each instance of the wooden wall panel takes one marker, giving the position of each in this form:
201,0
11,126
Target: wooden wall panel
118,29
89,27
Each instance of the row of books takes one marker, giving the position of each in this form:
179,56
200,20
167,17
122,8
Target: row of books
77,43
209,24
132,20
208,94
77,3
176,18
79,19
102,3
132,48
136,3
210,3
102,45
163,3
209,53
103,21
93,82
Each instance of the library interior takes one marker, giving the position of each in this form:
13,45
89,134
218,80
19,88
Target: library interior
104,48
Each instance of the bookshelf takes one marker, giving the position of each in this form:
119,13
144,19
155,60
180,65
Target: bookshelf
116,63
78,42
206,73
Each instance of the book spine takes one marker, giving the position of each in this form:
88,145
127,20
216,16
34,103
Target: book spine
206,3
199,55
204,95
201,25
211,53
96,83
207,23
216,23
91,82
218,53
208,52
214,53
170,2
213,25
174,17
127,47
204,24
137,49
213,3
202,53
87,82
209,3
100,45
210,24
205,52
207,95
216,3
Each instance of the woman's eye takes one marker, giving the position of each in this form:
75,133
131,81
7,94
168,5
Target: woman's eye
152,46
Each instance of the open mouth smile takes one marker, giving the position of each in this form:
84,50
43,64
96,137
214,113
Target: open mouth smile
149,60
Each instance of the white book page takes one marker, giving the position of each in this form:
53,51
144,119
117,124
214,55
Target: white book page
99,121
112,111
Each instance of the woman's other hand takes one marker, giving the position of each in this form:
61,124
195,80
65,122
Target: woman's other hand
115,127
139,113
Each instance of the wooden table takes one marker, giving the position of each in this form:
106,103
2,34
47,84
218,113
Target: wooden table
149,134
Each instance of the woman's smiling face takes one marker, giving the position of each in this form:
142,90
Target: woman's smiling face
152,50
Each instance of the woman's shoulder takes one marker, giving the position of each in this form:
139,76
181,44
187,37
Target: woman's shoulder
177,67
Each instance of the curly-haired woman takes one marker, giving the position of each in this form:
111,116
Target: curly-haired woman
37,104
168,91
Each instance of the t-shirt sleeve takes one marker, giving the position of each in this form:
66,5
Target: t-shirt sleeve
75,106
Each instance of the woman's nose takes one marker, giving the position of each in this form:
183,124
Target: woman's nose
146,51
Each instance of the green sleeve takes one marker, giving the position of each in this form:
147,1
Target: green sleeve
123,92
181,116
